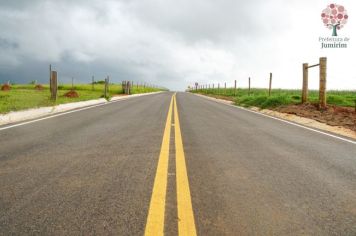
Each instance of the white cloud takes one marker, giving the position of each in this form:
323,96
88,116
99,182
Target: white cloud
174,43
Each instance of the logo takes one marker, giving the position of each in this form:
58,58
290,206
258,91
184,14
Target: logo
334,17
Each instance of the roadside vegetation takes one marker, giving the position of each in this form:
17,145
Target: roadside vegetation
25,96
260,98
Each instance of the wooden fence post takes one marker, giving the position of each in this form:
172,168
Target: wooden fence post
249,86
305,83
50,76
126,87
270,84
225,89
53,85
322,84
235,88
108,86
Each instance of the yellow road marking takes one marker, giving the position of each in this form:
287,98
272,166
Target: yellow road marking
186,224
156,214
155,218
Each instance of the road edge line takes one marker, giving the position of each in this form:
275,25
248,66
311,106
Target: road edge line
279,119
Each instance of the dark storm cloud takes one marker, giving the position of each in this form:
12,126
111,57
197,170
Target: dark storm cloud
7,44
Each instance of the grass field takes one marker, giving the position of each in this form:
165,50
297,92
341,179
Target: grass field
24,96
260,98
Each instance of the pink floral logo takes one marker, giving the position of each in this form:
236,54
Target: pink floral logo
334,17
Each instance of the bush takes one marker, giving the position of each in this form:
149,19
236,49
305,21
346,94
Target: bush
99,82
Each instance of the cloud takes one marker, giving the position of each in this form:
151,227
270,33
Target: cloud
170,43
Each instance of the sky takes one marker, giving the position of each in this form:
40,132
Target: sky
173,43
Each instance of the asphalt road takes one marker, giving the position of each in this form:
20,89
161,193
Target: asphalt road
93,172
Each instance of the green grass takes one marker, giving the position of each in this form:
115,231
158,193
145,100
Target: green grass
260,98
24,96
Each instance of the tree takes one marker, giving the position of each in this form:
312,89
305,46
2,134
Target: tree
334,17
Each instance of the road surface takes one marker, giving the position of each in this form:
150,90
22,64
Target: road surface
184,165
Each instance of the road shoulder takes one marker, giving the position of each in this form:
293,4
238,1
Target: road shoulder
338,130
34,113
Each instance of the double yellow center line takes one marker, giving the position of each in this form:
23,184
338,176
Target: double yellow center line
156,214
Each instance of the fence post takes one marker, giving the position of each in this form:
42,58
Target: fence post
225,89
305,83
270,84
50,76
235,88
124,87
108,87
249,86
53,85
128,87
218,88
322,84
